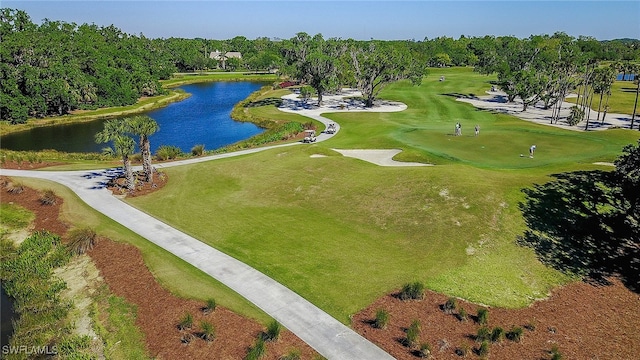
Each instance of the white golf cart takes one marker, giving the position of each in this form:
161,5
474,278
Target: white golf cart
309,136
331,128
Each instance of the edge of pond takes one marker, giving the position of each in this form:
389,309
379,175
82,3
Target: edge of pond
142,105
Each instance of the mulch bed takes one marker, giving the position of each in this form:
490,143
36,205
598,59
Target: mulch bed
159,313
117,186
584,321
25,165
46,216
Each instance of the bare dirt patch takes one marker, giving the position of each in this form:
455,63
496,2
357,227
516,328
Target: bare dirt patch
584,322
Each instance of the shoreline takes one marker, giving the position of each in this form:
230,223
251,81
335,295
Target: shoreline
142,105
90,115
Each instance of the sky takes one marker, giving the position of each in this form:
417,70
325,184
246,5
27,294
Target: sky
346,19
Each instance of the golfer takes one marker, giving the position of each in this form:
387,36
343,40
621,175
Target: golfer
532,149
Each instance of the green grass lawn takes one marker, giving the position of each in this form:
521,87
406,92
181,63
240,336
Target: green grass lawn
342,232
622,100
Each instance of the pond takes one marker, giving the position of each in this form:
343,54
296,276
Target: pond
6,318
625,77
203,118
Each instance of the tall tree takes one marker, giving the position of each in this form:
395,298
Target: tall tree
603,79
376,64
143,127
636,73
314,61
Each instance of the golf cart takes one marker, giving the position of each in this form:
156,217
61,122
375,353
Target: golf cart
309,136
331,128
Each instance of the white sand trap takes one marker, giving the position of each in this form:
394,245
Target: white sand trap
317,156
604,163
379,157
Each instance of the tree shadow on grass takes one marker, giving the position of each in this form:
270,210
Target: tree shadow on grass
584,223
459,95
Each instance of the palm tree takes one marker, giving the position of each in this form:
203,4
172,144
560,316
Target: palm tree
603,79
144,126
115,130
636,71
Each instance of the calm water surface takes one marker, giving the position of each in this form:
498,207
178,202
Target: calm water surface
203,118
6,318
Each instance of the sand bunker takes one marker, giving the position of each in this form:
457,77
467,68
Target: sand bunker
379,157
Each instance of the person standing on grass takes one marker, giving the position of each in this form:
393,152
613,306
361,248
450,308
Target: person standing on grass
532,149
477,129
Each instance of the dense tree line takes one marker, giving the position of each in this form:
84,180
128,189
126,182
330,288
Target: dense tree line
57,67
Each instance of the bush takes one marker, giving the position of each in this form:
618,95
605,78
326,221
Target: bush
47,197
497,334
483,334
382,319
413,291
257,351
166,152
208,331
462,314
210,306
450,306
413,332
292,355
197,150
81,240
576,115
15,188
136,158
555,353
483,350
71,347
186,322
273,331
425,351
515,334
483,316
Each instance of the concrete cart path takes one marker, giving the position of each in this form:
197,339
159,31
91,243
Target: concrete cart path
326,335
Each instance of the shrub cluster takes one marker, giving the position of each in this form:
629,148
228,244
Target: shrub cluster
382,319
412,291
47,197
413,333
197,150
168,152
81,240
273,331
27,276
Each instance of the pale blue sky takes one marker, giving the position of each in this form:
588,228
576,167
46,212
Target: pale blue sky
363,20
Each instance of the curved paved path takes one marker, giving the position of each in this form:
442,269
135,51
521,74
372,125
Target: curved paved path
326,335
